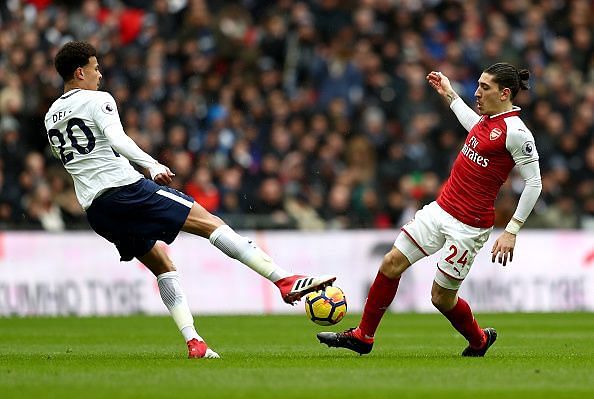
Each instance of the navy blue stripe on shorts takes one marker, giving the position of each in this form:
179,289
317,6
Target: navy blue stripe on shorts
135,216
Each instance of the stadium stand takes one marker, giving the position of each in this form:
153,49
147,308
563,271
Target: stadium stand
300,114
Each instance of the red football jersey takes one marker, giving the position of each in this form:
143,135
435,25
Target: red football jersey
492,148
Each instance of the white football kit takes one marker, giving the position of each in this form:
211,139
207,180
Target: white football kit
76,125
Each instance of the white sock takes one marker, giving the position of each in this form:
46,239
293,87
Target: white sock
247,252
174,298
189,333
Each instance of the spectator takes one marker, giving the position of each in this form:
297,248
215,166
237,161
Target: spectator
243,89
202,189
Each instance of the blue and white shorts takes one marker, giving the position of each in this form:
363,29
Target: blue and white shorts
135,216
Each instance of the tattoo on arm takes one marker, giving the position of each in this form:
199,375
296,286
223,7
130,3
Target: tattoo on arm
451,96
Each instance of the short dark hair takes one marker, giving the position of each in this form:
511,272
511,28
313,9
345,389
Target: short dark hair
73,55
507,75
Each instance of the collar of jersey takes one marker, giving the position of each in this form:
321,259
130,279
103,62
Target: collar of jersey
512,112
68,94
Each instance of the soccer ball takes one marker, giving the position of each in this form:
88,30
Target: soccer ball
326,307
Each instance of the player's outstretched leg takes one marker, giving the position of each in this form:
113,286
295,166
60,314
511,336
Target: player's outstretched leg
490,337
292,287
350,339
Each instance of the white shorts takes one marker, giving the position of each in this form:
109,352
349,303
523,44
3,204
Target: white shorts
433,229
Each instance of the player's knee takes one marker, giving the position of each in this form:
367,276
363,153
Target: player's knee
215,220
201,222
169,266
437,301
394,264
162,265
442,300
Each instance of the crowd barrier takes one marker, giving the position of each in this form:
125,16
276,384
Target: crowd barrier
80,274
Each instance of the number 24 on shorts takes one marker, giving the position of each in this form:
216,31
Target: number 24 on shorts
461,260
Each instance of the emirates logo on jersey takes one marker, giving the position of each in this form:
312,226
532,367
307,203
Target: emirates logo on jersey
495,133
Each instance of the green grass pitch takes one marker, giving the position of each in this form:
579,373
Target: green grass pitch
415,356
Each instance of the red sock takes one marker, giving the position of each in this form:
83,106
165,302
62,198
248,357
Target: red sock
462,319
381,294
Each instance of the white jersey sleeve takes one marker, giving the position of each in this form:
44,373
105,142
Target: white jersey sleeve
520,142
466,116
75,125
105,111
108,121
521,146
128,148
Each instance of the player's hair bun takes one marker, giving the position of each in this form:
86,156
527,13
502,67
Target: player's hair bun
524,76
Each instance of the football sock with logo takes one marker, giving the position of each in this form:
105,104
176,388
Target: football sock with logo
174,298
463,320
247,252
380,296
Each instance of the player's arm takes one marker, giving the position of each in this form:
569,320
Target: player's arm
107,119
125,146
533,185
466,116
523,150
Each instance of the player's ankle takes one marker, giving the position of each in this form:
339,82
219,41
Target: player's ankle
482,343
360,335
274,277
283,280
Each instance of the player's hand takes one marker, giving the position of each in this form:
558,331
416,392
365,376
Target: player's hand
161,174
164,179
440,83
504,248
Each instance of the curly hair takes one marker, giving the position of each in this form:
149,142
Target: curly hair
71,56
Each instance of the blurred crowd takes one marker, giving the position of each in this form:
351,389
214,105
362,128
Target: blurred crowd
300,114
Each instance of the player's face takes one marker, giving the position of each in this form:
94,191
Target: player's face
92,76
490,98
